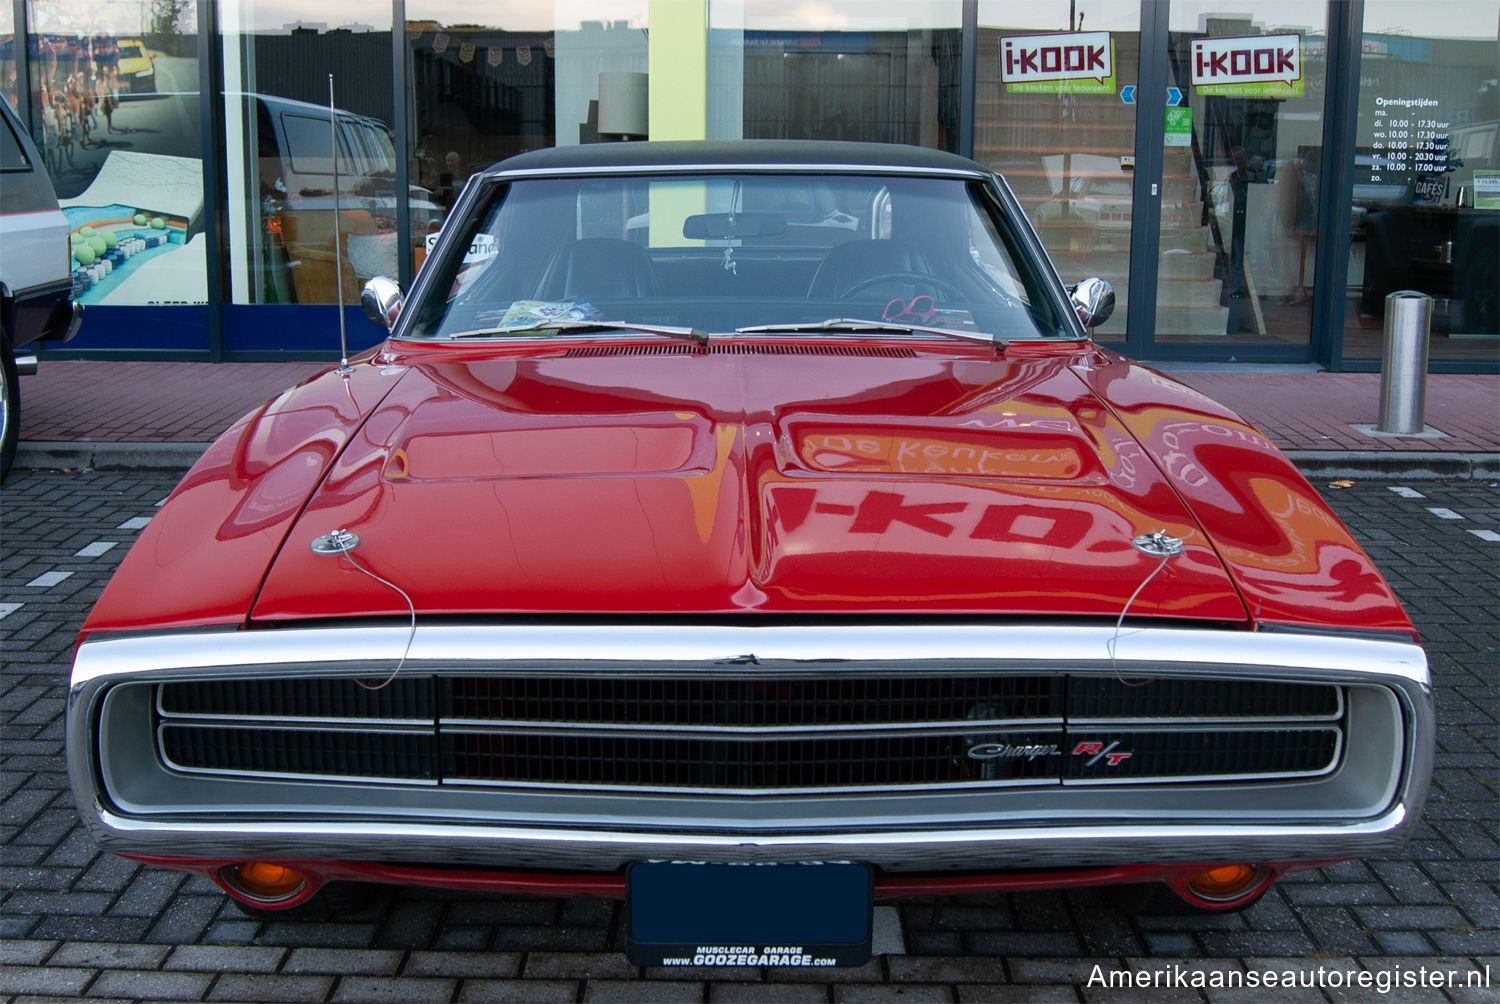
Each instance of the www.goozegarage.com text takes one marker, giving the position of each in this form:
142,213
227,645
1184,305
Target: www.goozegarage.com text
748,955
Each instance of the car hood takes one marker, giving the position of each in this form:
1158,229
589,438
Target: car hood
777,477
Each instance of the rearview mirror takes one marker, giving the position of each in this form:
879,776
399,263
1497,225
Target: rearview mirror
732,226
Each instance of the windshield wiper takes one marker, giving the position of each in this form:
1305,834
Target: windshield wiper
859,324
692,334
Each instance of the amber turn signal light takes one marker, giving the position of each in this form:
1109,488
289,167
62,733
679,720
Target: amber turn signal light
1225,882
266,881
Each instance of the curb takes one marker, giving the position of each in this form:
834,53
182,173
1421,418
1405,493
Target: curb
1353,464
109,456
1381,464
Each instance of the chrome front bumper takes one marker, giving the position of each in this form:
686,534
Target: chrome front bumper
131,804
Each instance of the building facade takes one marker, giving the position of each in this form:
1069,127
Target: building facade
1253,185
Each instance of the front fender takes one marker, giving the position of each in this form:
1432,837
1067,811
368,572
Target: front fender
202,561
1291,559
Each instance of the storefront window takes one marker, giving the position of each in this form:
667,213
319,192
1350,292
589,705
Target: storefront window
491,80
280,136
1051,116
109,89
1426,207
115,90
1239,213
8,56
877,71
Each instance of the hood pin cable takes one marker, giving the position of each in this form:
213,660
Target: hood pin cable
342,542
1157,544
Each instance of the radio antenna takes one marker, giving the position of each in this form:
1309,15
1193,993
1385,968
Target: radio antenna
338,246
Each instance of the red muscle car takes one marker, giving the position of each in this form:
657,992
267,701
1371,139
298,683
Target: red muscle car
750,531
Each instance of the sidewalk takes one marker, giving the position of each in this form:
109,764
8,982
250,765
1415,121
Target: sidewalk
162,414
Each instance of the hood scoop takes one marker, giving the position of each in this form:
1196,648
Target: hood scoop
739,349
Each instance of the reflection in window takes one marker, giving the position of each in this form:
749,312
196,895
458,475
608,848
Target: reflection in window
12,156
115,114
1239,214
8,70
282,243
1426,206
1067,147
891,75
489,85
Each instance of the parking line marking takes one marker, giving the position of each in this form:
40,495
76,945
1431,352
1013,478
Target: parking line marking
95,549
1407,493
1489,535
1443,513
48,579
136,523
6,609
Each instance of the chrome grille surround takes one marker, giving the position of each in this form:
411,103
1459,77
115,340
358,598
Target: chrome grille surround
1363,802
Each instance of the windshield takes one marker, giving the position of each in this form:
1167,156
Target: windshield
725,252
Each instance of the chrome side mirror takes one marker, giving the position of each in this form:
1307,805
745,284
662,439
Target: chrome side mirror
382,301
1094,299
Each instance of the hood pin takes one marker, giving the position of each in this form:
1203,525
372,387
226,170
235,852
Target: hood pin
338,541
1158,544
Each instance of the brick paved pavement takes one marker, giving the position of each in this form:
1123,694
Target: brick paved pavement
1299,409
76,923
146,401
1319,411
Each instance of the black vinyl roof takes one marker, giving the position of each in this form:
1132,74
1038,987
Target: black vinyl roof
731,153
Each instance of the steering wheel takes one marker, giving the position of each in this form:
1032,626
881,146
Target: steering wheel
921,278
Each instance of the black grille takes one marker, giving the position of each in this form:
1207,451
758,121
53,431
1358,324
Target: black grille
712,764
405,699
1108,697
752,731
1207,753
400,756
751,703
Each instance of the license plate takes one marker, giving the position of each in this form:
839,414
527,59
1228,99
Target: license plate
725,915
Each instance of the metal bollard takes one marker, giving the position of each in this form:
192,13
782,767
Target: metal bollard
1403,373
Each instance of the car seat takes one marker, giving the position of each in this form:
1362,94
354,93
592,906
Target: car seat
597,268
853,262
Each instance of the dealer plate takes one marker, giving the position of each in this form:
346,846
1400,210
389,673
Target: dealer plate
725,915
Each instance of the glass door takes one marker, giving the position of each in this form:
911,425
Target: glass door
1241,156
1055,114
1425,213
292,237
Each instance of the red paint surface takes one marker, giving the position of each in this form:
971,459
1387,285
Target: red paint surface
514,478
201,559
1290,557
953,482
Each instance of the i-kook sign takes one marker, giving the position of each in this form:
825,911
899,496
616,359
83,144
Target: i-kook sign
1079,62
1248,66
